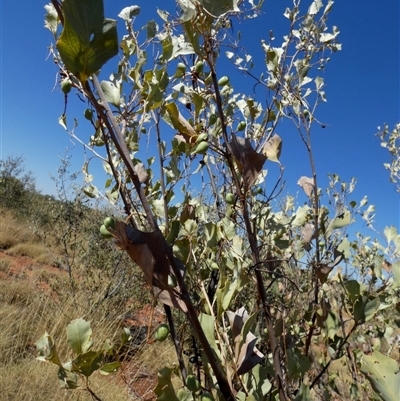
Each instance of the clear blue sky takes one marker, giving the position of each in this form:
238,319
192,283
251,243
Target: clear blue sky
362,90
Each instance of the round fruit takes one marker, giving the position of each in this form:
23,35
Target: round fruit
104,232
223,81
199,67
109,222
208,80
192,383
201,148
88,114
162,332
213,119
206,397
66,85
241,126
201,138
230,199
214,266
181,66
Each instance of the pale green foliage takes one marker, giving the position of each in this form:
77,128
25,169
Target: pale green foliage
86,361
268,285
391,141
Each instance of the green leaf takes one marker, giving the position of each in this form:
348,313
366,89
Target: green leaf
109,368
371,308
128,13
111,93
47,349
390,233
165,390
383,374
341,220
207,323
396,274
220,7
151,29
298,364
51,18
257,382
332,324
68,380
79,336
88,362
301,216
304,393
88,40
315,7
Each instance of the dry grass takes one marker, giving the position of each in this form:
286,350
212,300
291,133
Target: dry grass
36,298
19,239
31,380
5,265
13,232
38,252
25,314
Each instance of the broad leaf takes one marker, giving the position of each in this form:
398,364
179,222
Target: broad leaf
47,349
88,40
220,7
79,336
307,184
111,93
273,148
165,390
383,374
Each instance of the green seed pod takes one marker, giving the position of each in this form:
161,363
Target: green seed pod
214,266
230,199
201,138
109,222
192,383
66,85
180,70
208,80
206,397
241,126
88,114
212,119
104,232
199,67
223,81
201,148
162,332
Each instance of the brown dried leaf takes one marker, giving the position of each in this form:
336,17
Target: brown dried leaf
141,173
249,355
250,163
323,271
307,232
171,299
134,243
273,148
179,122
246,354
307,184
387,266
149,252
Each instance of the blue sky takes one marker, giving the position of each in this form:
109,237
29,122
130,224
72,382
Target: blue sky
362,89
